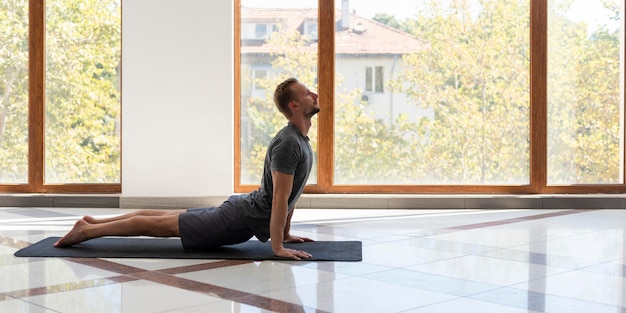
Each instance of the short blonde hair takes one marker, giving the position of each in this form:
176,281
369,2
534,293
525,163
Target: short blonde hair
283,95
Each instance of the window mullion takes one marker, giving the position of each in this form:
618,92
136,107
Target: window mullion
326,89
538,94
36,94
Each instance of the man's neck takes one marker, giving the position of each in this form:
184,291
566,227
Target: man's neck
302,124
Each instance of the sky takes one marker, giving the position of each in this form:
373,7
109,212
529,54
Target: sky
364,8
589,11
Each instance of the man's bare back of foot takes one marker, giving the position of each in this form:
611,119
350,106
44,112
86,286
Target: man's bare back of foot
74,236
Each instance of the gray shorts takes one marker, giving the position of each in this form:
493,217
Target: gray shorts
204,228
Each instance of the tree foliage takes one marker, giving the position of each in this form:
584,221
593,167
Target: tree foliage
474,74
584,99
14,91
83,53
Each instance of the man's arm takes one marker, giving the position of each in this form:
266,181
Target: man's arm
282,189
288,237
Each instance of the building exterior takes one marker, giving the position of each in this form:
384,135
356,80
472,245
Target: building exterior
368,55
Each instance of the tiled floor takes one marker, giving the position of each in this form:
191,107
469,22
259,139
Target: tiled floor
413,261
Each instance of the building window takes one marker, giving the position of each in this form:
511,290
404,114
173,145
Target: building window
374,81
260,30
258,75
310,29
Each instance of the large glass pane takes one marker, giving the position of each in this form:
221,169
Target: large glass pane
14,92
278,40
585,92
432,92
83,53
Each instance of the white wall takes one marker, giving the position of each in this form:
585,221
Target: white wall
177,89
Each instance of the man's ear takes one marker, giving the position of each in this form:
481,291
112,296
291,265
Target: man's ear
293,105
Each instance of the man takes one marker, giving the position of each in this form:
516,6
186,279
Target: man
265,213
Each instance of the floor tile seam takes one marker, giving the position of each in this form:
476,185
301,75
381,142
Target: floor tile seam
107,265
527,261
458,296
511,286
165,278
46,309
623,266
464,256
219,292
274,304
492,286
504,287
562,256
66,287
585,233
496,287
546,256
514,220
446,230
584,269
203,266
434,305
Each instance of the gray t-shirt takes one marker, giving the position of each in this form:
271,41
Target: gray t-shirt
289,152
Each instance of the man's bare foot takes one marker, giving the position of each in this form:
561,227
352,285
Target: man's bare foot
74,236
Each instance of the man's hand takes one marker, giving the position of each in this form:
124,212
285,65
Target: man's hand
291,253
296,239
297,255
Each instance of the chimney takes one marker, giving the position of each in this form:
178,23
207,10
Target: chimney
345,14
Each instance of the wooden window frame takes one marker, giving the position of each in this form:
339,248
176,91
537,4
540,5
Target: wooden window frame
326,66
36,115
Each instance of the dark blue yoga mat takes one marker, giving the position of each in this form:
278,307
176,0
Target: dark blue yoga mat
171,248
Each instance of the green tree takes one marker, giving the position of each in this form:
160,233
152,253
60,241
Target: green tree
391,21
14,91
82,90
473,73
584,99
368,151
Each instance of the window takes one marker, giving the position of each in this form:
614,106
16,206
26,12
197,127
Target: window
82,105
369,76
585,92
14,92
288,52
260,30
374,79
310,29
496,96
258,76
67,95
378,80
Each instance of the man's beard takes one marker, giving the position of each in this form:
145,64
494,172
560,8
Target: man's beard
314,111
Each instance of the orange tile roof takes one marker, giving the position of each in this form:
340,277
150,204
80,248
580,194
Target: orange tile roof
375,39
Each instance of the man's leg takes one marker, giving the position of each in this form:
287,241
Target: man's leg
144,212
162,225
